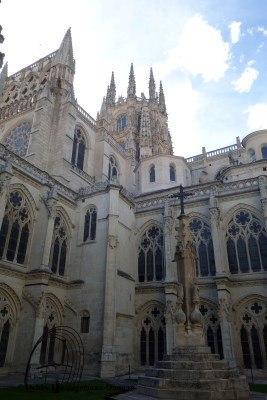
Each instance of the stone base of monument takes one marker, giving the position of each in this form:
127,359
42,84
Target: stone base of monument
193,373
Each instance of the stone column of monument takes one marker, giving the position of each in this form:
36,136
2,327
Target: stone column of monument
5,177
263,197
189,331
171,283
108,356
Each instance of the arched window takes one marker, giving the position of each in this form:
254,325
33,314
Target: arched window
4,342
251,155
78,149
59,248
89,232
112,169
18,140
151,255
246,241
264,151
253,331
152,174
205,263
15,229
212,329
121,122
152,336
172,173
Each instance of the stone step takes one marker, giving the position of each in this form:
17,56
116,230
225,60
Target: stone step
194,384
187,374
192,350
214,364
192,357
188,394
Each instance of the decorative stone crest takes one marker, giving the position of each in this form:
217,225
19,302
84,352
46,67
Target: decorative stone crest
113,241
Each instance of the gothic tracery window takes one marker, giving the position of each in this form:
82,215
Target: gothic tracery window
6,319
59,248
253,335
18,140
90,224
151,256
246,241
78,149
212,329
112,169
152,337
15,229
205,264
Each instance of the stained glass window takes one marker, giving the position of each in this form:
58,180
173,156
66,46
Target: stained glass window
78,149
90,224
202,239
150,257
18,140
246,240
121,122
264,151
59,247
15,229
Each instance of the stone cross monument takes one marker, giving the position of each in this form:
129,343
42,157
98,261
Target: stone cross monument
190,371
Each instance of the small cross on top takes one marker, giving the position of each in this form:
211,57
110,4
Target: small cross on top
256,308
181,195
51,317
4,311
155,312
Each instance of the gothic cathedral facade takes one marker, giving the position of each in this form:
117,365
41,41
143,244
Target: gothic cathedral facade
88,226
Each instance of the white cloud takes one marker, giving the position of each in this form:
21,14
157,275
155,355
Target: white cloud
262,30
250,31
257,117
200,51
244,83
235,31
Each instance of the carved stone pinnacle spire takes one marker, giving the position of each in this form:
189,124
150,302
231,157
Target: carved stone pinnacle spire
131,92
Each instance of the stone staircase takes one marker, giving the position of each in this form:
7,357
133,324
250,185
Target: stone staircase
193,373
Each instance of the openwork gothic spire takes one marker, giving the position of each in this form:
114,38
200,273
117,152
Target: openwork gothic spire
152,86
145,132
111,92
131,92
162,105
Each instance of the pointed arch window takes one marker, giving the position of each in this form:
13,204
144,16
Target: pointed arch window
59,248
112,169
201,234
152,337
78,149
253,335
121,122
15,229
90,224
172,173
18,140
152,174
85,322
212,329
151,256
246,241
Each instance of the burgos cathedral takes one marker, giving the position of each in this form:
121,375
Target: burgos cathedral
88,223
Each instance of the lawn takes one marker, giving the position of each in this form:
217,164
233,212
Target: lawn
91,390
258,387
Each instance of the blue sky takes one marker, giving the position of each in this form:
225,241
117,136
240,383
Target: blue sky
210,55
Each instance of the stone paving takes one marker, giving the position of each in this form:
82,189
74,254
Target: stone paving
17,380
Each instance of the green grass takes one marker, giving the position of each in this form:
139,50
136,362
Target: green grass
258,387
91,390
